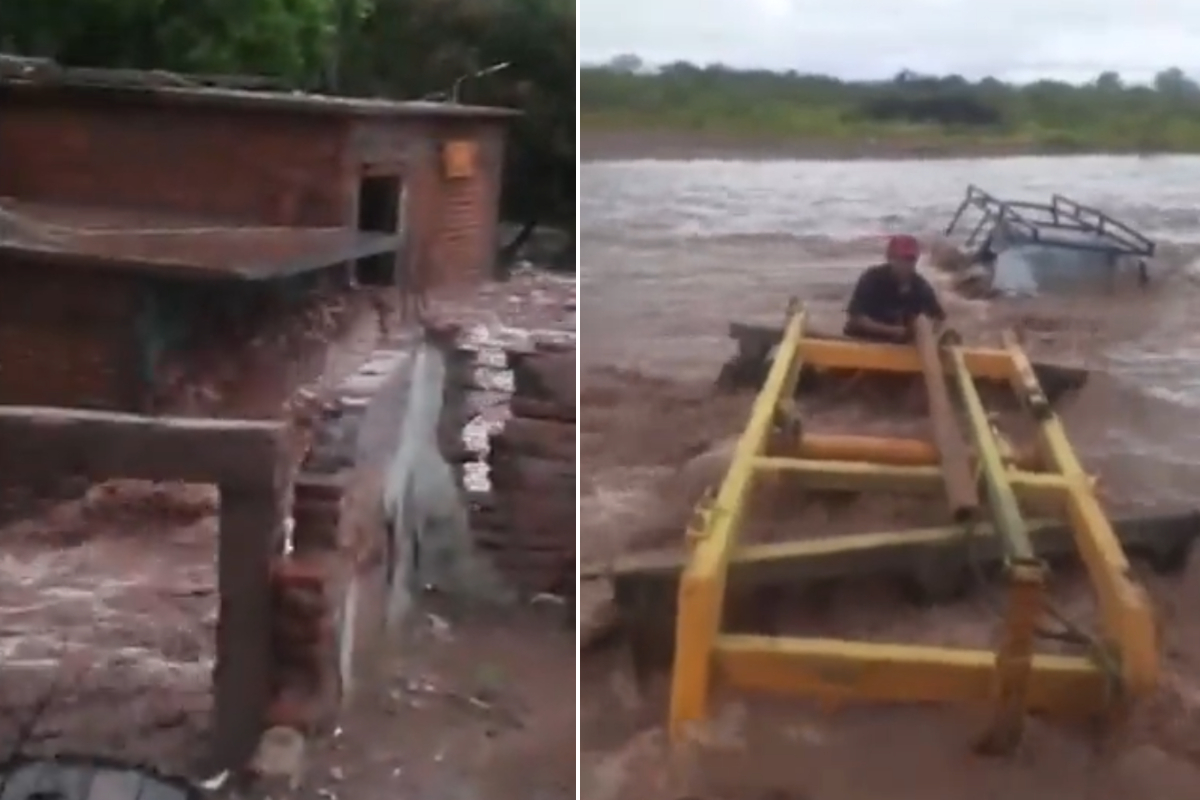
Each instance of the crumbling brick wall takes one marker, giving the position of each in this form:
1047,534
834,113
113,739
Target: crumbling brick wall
331,577
441,460
377,516
510,423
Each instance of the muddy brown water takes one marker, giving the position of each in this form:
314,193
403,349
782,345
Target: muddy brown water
672,251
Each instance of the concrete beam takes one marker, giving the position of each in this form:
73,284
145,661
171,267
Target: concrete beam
38,441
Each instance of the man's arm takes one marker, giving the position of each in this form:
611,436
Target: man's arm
859,318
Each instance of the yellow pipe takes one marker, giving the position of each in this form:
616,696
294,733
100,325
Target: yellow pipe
1002,501
875,449
897,452
987,363
857,476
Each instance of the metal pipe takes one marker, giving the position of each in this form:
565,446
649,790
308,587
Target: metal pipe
1006,514
458,82
953,455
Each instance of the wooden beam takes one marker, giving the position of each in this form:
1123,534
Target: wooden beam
250,525
39,441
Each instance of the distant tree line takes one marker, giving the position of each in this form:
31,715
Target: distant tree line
402,49
1106,112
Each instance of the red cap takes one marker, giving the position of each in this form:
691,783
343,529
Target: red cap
903,246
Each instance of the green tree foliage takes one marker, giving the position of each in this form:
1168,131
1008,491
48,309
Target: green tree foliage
1106,113
402,49
290,39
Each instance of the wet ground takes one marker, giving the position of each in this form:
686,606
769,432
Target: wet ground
468,708
671,252
108,608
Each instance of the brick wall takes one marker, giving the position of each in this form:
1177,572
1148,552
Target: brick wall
65,339
271,169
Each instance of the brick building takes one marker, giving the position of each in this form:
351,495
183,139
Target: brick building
122,204
204,285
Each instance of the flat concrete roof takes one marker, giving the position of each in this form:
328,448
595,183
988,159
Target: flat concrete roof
49,235
64,88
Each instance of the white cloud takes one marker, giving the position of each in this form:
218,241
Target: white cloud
1016,40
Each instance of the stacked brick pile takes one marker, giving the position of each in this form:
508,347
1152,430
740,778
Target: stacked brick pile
509,421
532,469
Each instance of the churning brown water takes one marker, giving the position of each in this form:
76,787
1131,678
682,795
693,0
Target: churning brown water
671,252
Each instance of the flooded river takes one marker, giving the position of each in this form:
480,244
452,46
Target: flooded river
671,252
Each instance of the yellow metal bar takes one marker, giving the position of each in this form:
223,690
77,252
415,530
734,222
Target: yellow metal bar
854,476
1014,659
1002,501
787,389
987,363
702,586
1024,380
1125,609
1066,686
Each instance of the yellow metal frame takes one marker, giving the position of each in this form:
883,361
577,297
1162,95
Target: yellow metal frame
1009,681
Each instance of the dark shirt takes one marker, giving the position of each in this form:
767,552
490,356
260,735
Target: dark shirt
880,296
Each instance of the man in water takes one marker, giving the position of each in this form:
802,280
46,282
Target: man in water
889,297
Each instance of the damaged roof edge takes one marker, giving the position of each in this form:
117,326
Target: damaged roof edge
299,102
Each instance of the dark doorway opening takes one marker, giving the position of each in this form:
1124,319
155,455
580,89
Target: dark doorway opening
380,210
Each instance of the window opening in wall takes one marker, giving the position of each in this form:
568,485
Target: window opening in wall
381,209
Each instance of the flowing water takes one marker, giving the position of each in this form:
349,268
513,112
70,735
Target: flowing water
672,251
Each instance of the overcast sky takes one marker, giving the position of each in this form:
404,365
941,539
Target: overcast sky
1013,39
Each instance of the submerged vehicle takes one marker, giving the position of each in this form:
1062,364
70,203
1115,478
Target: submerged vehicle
1020,247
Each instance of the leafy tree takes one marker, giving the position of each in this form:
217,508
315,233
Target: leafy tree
1105,114
290,39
